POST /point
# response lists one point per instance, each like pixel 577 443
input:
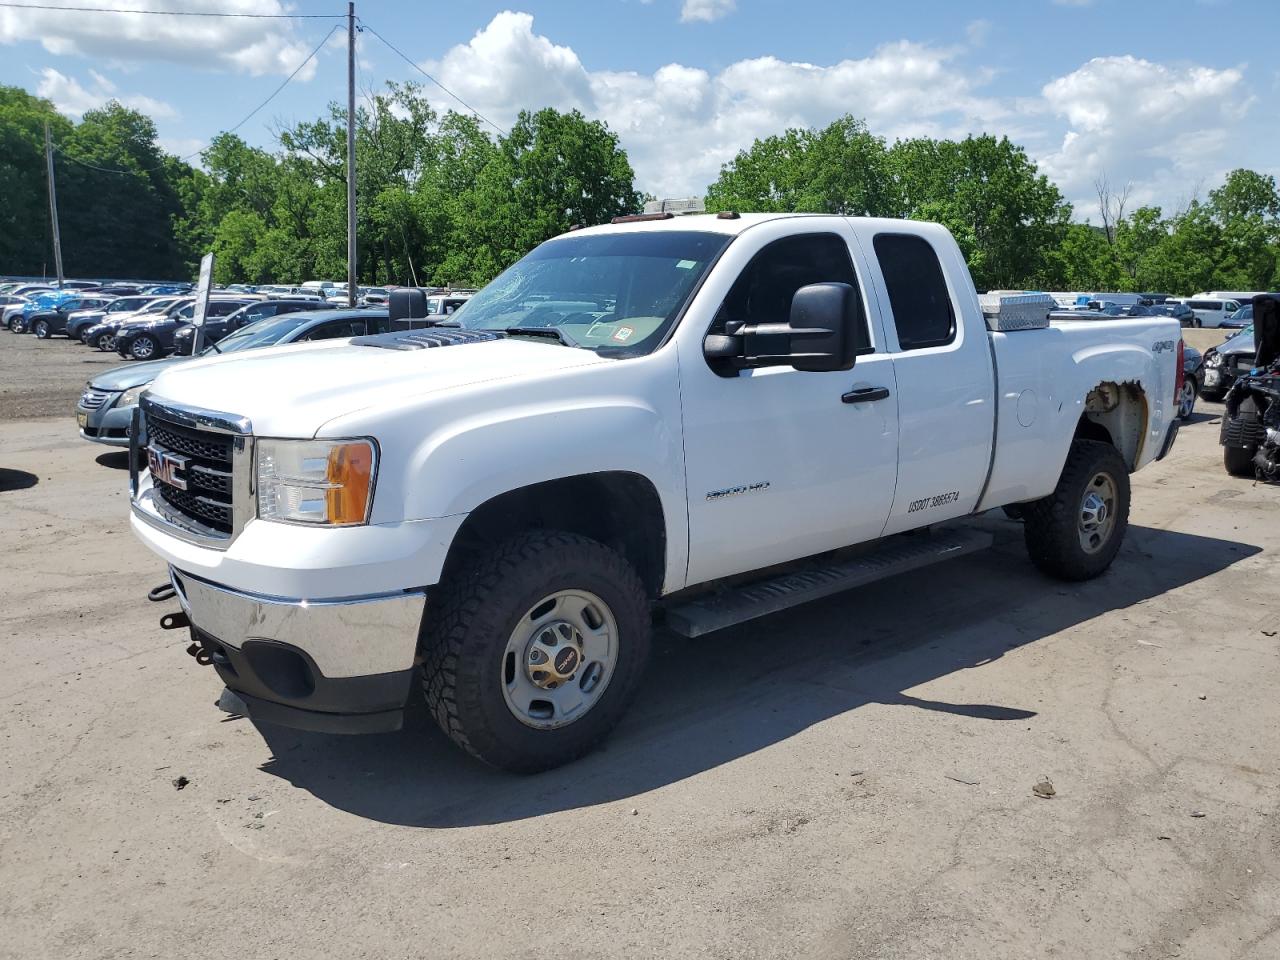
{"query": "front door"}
pixel 779 465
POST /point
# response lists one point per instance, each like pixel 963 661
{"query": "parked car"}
pixel 1192 382
pixel 1241 318
pixel 81 320
pixel 1250 431
pixel 106 406
pixel 1226 362
pixel 652 415
pixel 1173 308
pixel 41 303
pixel 152 339
pixel 215 328
pixel 1211 313
pixel 47 324
pixel 163 289
pixel 103 334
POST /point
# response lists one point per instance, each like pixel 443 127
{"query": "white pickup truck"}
pixel 703 418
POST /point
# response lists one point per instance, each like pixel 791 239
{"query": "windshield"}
pixel 621 291
pixel 128 303
pixel 263 333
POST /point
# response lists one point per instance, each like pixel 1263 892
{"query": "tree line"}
pixel 444 201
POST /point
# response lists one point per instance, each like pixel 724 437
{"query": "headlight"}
pixel 316 481
pixel 130 397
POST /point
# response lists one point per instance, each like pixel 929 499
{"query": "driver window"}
pixel 763 292
pixel 337 330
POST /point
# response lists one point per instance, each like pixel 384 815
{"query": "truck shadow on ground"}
pixel 709 701
pixel 16 479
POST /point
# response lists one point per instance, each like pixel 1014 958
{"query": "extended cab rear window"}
pixel 922 310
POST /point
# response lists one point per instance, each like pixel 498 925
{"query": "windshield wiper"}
pixel 545 332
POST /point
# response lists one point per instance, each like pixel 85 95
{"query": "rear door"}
pixel 943 371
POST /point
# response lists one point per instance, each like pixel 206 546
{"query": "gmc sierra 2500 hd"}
pixel 698 414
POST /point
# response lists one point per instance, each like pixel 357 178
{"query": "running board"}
pixel 730 606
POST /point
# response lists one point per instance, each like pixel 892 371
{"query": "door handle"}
pixel 865 395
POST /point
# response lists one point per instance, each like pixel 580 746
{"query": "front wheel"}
pixel 1076 531
pixel 41 329
pixel 1187 399
pixel 144 347
pixel 535 649
pixel 105 342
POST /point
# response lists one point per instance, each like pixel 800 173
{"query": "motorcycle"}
pixel 1250 434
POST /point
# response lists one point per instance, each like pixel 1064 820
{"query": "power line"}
pixel 173 13
pixel 320 46
pixel 392 47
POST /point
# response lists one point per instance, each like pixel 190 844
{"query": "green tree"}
pixel 1005 215
pixel 841 168
pixel 553 170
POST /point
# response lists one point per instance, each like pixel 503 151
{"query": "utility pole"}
pixel 351 154
pixel 53 206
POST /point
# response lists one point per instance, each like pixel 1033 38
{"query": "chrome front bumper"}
pixel 333 666
pixel 351 637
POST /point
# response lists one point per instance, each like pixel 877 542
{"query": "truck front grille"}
pixel 206 473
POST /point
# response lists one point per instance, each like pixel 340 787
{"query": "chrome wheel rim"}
pixel 1097 513
pixel 1188 401
pixel 559 659
pixel 142 348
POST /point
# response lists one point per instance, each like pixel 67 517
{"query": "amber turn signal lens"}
pixel 351 472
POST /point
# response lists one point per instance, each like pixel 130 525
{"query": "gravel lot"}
pixel 852 779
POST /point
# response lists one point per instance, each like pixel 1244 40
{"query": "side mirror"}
pixel 405 306
pixel 817 337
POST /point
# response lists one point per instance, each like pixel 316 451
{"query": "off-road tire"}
pixel 1051 524
pixel 465 636
pixel 1239 460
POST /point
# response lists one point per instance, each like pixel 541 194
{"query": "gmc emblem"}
pixel 164 466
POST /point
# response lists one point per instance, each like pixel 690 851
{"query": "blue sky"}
pixel 1165 96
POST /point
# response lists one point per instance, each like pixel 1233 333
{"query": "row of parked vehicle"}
pixel 1212 309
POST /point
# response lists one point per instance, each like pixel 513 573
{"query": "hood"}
pixel 133 374
pixel 293 390
pixel 1240 343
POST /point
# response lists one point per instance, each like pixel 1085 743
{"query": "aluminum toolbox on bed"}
pixel 1007 310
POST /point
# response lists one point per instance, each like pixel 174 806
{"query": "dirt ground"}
pixel 850 780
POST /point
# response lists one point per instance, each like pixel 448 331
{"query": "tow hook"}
pixel 175 621
pixel 161 593
pixel 202 656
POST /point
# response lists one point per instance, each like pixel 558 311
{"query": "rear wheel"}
pixel 535 650
pixel 1076 531
pixel 145 347
pixel 105 342
pixel 1239 460
pixel 15 325
pixel 41 329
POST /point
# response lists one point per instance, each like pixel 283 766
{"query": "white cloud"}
pixel 1160 127
pixel 706 11
pixel 679 123
pixel 72 97
pixel 251 46
pixel 1166 128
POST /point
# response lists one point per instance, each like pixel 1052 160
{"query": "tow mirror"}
pixel 818 336
pixel 406 306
